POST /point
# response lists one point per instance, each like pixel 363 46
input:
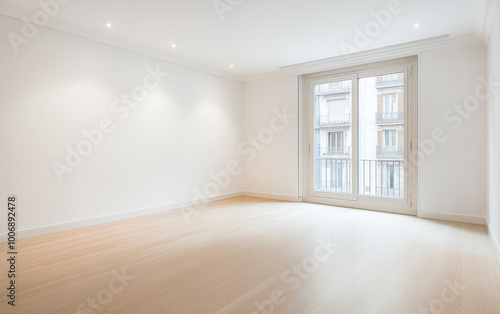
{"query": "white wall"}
pixel 274 170
pixel 494 135
pixel 59 85
pixel 453 178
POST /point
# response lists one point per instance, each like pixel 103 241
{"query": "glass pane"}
pixel 387 103
pixel 381 136
pixel 333 137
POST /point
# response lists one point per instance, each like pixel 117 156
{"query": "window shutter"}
pixel 400 102
pixel 380 138
pixel 380 103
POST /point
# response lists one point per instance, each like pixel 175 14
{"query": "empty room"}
pixel 237 156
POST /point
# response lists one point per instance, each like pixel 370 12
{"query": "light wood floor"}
pixel 239 254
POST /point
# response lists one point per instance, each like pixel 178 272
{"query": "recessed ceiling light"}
pixel 416 25
pixel 231 66
pixel 109 25
pixel 174 45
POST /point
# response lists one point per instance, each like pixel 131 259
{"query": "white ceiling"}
pixel 258 36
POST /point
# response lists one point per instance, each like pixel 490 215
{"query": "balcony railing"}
pixel 331 151
pixel 389 117
pixel 333 175
pixel 335 119
pixel 389 80
pixel 389 152
pixel 335 87
pixel 382 178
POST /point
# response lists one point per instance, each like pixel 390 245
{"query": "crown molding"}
pixel 81 32
pixel 369 56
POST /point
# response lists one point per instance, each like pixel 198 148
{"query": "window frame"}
pixel 408 66
pixel 342 140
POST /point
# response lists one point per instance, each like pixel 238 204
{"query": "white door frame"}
pixel 408 205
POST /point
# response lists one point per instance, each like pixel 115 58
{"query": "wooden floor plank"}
pixel 251 255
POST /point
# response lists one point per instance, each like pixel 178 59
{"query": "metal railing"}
pixel 390 152
pixel 331 151
pixel 333 175
pixel 381 178
pixel 389 117
pixel 335 119
pixel 335 87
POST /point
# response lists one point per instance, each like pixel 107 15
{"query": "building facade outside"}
pixel 380 136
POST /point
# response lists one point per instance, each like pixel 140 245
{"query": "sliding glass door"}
pixel 357 129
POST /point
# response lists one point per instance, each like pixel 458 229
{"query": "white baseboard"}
pixel 478 220
pixel 44 230
pixel 494 241
pixel 272 196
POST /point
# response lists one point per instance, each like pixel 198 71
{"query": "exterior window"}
pixel 390 103
pixel 356 127
pixel 336 142
pixel 390 138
